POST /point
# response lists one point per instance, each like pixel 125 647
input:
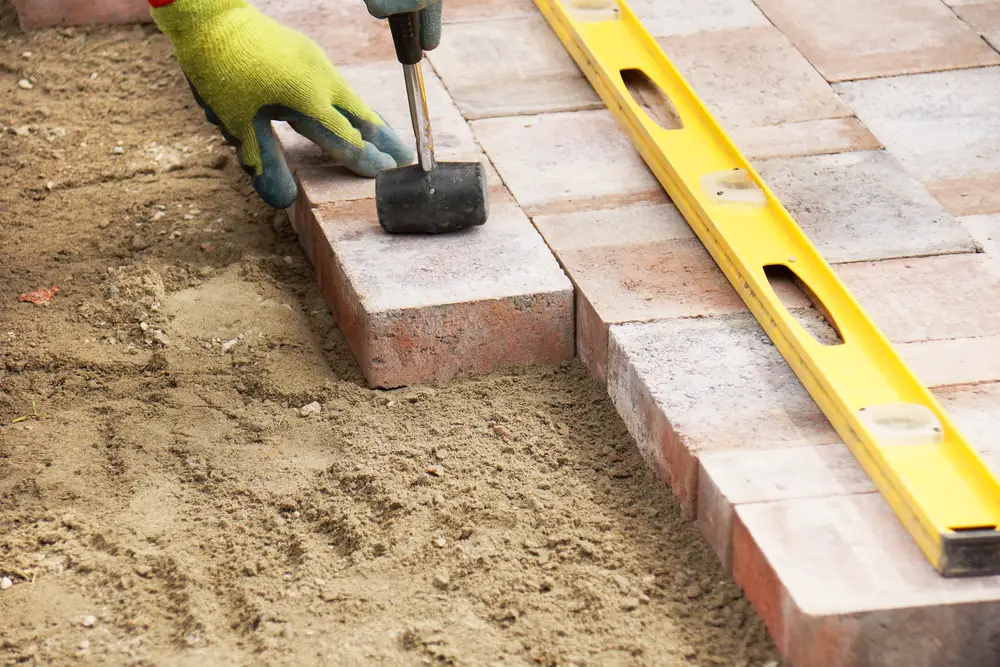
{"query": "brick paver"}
pixel 728 479
pixel 343 28
pixel 685 17
pixel 753 77
pixel 718 383
pixel 856 39
pixel 813 137
pixel 984 18
pixel 34 14
pixel 943 127
pixel 840 583
pixel 429 309
pixel 510 67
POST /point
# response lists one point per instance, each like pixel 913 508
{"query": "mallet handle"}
pixel 406 37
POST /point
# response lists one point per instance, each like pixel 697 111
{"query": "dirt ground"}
pixel 163 501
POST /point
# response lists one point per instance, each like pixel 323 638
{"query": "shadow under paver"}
pixel 943 127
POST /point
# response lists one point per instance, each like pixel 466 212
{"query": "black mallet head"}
pixel 450 197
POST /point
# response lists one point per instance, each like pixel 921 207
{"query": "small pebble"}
pixel 693 591
pixel 440 542
pixel 442 580
pixel 84 645
pixel 628 604
pixel 5 583
pixel 118 150
pixel 228 345
pixel 313 408
pixel 89 621
pixel 25 84
pixel 437 471
pixel 622 582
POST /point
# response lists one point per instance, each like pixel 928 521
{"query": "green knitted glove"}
pixel 430 16
pixel 246 70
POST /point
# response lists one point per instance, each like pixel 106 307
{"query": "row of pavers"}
pixel 709 400
pixel 585 256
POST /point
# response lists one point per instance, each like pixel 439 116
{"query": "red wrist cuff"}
pixel 160 3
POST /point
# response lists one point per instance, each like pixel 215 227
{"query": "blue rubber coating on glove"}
pixel 430 16
pixel 383 149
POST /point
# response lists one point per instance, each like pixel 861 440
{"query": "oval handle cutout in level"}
pixel 651 99
pixel 803 304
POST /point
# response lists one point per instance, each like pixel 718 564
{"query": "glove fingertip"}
pixel 371 161
pixel 430 26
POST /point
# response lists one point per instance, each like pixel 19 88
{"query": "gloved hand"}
pixel 430 16
pixel 246 70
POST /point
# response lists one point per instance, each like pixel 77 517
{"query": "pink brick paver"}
pixel 856 39
pixel 728 479
pixel 984 18
pixel 47 13
pixel 510 67
pixel 812 137
pixel 840 583
pixel 641 261
pixel 688 386
pixel 550 160
pixel 457 11
pixel 430 309
pixel 685 17
pixel 985 229
pixel 343 28
pixel 753 77
pixel 943 127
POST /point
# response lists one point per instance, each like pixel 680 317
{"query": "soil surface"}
pixel 163 500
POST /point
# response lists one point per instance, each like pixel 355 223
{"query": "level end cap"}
pixel 970 553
